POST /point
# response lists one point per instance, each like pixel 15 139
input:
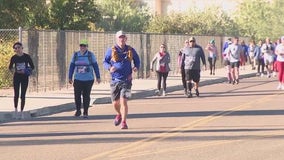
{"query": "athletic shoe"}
pixel 189 94
pixel 85 116
pixel 124 125
pixel 279 87
pixel 282 87
pixel 164 93
pixel 197 92
pixel 16 113
pixel 237 81
pixel 157 93
pixel 117 120
pixel 78 113
pixel 261 75
pixel 185 92
pixel 274 74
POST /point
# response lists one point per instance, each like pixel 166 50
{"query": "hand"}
pixel 134 69
pixel 112 69
pixel 98 80
pixel 70 81
pixel 21 71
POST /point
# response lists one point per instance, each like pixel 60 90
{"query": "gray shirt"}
pixel 161 62
pixel 235 51
pixel 191 57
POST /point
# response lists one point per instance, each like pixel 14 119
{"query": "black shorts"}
pixel 192 75
pixel 120 89
pixel 226 62
pixel 235 64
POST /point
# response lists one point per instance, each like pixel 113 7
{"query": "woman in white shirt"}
pixel 280 63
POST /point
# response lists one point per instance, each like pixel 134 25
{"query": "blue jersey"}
pixel 123 63
pixel 84 66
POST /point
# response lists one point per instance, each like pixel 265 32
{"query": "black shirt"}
pixel 21 63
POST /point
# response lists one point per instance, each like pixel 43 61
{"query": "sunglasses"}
pixel 17 47
pixel 162 47
pixel 192 41
pixel 83 45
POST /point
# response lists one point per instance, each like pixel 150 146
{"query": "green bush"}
pixel 6 52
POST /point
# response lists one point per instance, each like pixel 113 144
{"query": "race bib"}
pixel 20 66
pixel 82 69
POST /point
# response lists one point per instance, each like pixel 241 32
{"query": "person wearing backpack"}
pixel 118 61
pixel 83 65
pixel 21 65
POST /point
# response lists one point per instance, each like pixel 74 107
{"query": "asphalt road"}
pixel 227 122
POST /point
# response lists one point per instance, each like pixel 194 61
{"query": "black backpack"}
pixel 89 57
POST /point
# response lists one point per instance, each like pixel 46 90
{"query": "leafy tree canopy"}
pixel 128 15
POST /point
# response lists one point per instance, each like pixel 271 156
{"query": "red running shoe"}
pixel 117 120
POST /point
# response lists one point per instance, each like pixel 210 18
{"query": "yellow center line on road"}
pixel 178 130
pixel 174 149
pixel 197 146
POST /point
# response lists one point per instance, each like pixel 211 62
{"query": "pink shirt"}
pixel 212 51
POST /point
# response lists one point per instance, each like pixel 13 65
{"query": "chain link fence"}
pixel 7 38
pixel 52 50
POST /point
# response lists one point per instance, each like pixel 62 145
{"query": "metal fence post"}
pixel 20 34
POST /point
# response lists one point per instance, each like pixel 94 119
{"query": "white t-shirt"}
pixel 280 52
pixel 234 52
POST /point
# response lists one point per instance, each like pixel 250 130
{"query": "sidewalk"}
pixel 46 103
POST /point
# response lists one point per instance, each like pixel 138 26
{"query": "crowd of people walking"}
pixel 121 60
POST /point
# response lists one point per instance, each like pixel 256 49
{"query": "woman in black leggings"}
pixel 162 60
pixel 22 65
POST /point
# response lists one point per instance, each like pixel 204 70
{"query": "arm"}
pixel 179 59
pixel 11 63
pixel 30 61
pixel 203 57
pixel 216 52
pixel 71 69
pixel 152 62
pixel 107 59
pixel 96 68
pixel 168 58
pixel 136 60
pixel 208 47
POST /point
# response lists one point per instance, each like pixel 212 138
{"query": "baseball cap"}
pixel 120 33
pixel 191 39
pixel 84 42
pixel 212 41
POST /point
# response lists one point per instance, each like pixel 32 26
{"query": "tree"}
pixel 73 14
pixel 260 18
pixel 27 14
pixel 127 15
pixel 211 21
